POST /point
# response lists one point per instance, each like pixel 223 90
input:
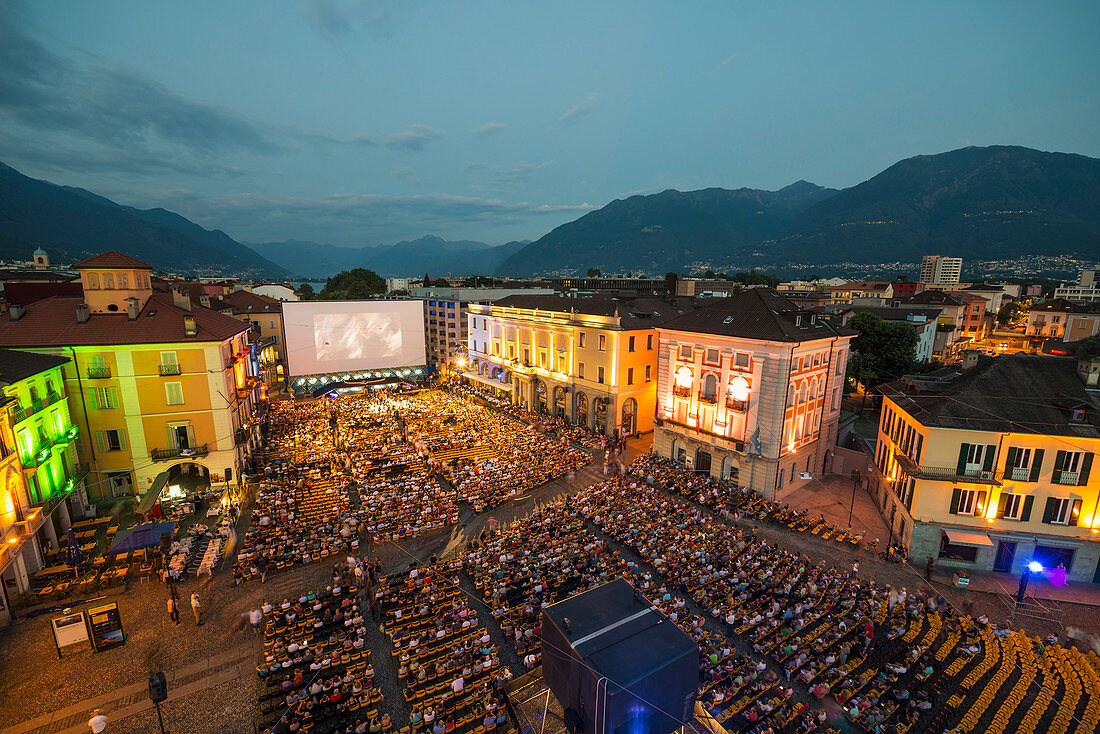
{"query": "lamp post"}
pixel 1030 568
pixel 855 483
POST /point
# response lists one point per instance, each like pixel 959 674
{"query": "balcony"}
pixel 946 474
pixel 99 373
pixel 179 453
pixel 716 439
pixel 21 414
pixel 708 399
pixel 738 405
pixel 1065 477
pixel 167 370
pixel 681 392
pixel 240 436
pixel 1019 474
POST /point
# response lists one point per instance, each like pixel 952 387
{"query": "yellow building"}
pixel 265 316
pixel 591 360
pixel 156 383
pixel 990 468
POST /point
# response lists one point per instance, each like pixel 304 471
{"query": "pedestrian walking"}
pixel 261 565
pixel 256 617
pixel 929 567
pixel 174 609
pixel 196 607
pixel 98 722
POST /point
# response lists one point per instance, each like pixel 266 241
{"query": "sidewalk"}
pixel 1074 592
pixel 831 496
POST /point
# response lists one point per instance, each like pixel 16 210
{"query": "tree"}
pixel 1089 347
pixel 593 272
pixel 1008 313
pixel 306 292
pixel 357 284
pixel 882 351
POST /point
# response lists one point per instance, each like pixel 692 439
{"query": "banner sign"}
pixel 106 626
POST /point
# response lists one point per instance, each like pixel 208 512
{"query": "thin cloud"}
pixel 488 128
pixel 326 16
pixel 724 64
pixel 414 139
pixel 579 110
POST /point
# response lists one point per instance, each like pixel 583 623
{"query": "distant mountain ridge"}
pixel 429 254
pixel 975 203
pixel 72 224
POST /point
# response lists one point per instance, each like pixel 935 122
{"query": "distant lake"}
pixel 315 284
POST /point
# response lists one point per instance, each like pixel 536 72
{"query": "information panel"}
pixel 69 630
pixel 106 626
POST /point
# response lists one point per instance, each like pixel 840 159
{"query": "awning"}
pixel 961 537
pixel 152 494
pixel 488 381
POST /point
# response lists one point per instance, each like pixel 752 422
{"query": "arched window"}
pixel 683 381
pixel 108 281
pixel 123 281
pixel 710 388
pixel 93 281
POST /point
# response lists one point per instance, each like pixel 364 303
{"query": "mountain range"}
pixel 430 254
pixel 976 203
pixel 997 202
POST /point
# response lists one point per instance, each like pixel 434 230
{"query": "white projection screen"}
pixel 342 336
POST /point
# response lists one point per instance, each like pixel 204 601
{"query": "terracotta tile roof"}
pixel 53 323
pixel 112 259
pixel 16 365
pixel 245 302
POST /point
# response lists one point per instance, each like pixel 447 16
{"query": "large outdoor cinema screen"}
pixel 343 336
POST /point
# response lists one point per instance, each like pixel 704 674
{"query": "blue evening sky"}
pixel 360 122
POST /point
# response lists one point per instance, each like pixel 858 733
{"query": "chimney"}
pixel 1088 369
pixel 133 308
pixel 204 301
pixel 189 328
pixel 970 358
pixel 180 299
pixel 82 313
pixel 17 312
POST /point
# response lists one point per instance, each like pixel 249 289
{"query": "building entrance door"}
pixel 1006 553
pixel 702 462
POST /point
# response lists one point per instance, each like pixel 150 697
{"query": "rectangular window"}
pixel 712 357
pixel 968 500
pixel 527 355
pixel 580 370
pixel 630 344
pixel 648 371
pixel 630 374
pixel 603 342
pixel 1062 511
pixel 649 342
pixel 599 374
pixel 271 324
pixel 112 440
pixel 1011 504
pixel 1072 467
pixel 685 352
pixel 103 398
pixel 580 340
pixel 741 359
pixel 174 392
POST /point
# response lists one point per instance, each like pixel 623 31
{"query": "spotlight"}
pixel 1035 567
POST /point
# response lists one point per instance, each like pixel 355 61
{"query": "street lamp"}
pixel 1030 568
pixel 855 483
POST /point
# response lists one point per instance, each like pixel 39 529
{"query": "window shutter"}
pixel 91 401
pixel 1048 511
pixel 121 439
pixel 171 437
pixel 1036 464
pixel 191 436
pixel 112 397
pixel 1001 502
pixel 99 441
pixel 979 503
pixel 963 449
pixel 1025 514
pixel 1011 457
pixel 1086 465
pixel 990 457
pixel 1059 461
pixel 955 494
pixel 1075 513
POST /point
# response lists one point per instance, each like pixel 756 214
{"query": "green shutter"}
pixel 1048 511
pixel 1025 514
pixel 112 397
pixel 91 401
pixel 1059 461
pixel 963 451
pixel 191 436
pixel 1036 464
pixel 990 457
pixel 1001 502
pixel 121 440
pixel 1086 465
pixel 1011 457
pixel 171 437
pixel 1075 513
pixel 100 441
pixel 955 493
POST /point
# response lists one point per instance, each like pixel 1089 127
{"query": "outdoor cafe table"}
pixel 85 535
pixel 90 523
pixel 46 573
pixel 87 547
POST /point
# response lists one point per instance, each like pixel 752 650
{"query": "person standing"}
pixel 196 607
pixel 261 564
pixel 929 567
pixel 174 609
pixel 98 722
